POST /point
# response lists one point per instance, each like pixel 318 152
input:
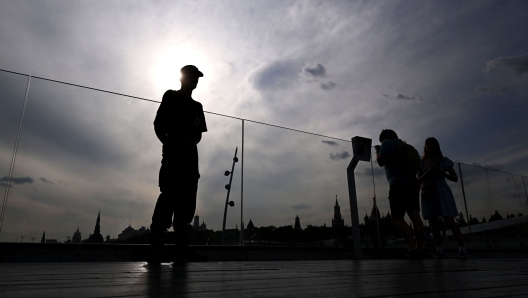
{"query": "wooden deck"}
pixel 341 278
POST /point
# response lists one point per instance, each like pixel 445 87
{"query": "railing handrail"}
pixel 223 115
pixel 150 100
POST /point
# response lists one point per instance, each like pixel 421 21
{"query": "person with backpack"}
pixel 437 199
pixel 401 162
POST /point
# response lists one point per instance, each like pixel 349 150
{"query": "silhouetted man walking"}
pixel 404 190
pixel 179 125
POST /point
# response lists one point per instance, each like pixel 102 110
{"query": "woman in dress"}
pixel 437 199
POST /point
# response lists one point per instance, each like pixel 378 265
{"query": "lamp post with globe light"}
pixel 228 187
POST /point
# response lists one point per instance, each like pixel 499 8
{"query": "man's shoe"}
pixel 461 255
pixel 437 255
pixel 157 256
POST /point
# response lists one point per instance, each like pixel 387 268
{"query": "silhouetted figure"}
pixel 179 125
pixel 437 199
pixel 401 163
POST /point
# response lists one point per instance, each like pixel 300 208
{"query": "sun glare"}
pixel 166 71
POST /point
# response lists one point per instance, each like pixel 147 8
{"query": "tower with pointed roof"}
pixel 196 224
pixel 76 236
pixel 96 237
pixel 43 239
pixel 337 221
pixel 297 223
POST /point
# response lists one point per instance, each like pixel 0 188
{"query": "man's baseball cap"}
pixel 191 70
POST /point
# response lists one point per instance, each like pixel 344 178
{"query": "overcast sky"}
pixel 454 70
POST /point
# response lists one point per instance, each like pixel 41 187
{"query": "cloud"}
pixel 45 180
pixel 413 98
pixel 313 70
pixel 273 75
pixel 301 206
pixel 339 156
pixel 16 180
pixel 313 73
pixel 327 86
pixel 506 75
pixel 518 65
pixel 328 142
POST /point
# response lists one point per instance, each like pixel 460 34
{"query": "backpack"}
pixel 408 159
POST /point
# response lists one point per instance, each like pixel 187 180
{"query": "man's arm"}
pixel 160 126
pixel 161 133
pixel 380 158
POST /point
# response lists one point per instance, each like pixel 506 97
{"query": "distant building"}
pixel 76 236
pixel 250 225
pixel 297 223
pixel 52 241
pixel 197 226
pixel 337 221
pixel 43 239
pixel 96 237
pixel 129 232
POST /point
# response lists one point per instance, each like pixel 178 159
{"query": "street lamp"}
pixel 228 187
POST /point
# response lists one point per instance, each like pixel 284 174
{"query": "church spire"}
pixel 97 224
pixel 43 240
pixel 96 237
pixel 337 204
pixel 297 225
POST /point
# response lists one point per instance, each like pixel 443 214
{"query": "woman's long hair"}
pixel 435 155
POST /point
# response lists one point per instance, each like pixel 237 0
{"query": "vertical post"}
pixel 242 191
pixel 525 193
pixel 465 203
pixel 375 202
pixel 353 207
pixel 14 153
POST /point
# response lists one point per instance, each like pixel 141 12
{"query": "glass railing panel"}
pixel 496 206
pixel 87 151
pixel 12 97
pixel 289 174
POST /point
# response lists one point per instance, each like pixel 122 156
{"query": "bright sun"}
pixel 166 71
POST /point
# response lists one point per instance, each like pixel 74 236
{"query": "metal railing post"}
pixel 465 203
pixel 242 190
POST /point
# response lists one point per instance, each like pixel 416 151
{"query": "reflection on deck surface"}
pixel 366 278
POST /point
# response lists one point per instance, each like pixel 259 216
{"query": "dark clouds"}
pixel 301 206
pixel 327 86
pixel 413 98
pixel 339 156
pixel 314 73
pixel 313 70
pixel 506 75
pixel 16 180
pixel 45 180
pixel 518 65
pixel 328 142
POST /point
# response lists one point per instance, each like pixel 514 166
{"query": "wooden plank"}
pixel 245 279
